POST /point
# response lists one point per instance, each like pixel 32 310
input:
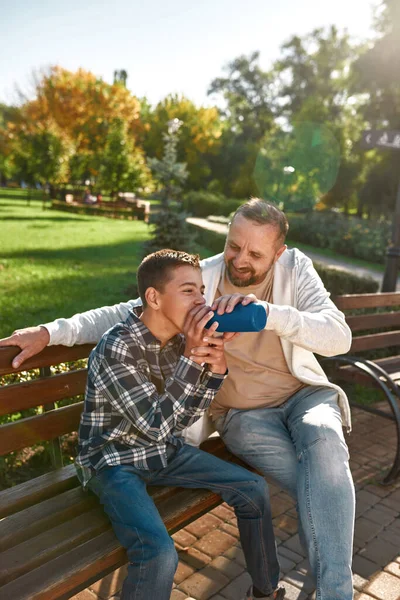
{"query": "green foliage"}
pixel 122 165
pixel 203 204
pixel 349 236
pixel 170 230
pixel 170 174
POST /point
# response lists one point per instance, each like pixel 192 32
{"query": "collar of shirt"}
pixel 144 334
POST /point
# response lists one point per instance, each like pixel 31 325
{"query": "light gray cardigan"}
pixel 302 314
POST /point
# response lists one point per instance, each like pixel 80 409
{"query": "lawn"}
pixel 55 264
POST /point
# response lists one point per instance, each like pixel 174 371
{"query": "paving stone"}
pixel 215 542
pixel 365 530
pixel 393 500
pixel 111 584
pixel 287 553
pixel 178 595
pixel 359 582
pixel 286 523
pixel 204 584
pixel 364 567
pixel 183 571
pixel 230 568
pixel 85 595
pixel 237 588
pixel 194 558
pixel 231 529
pixel 281 535
pixel 280 505
pixel 300 580
pixel 383 517
pixel 363 597
pixel 294 544
pixel 379 551
pixel 393 568
pixel 224 512
pixel 367 497
pixel 293 593
pixel 389 535
pixel 385 587
pixel 236 553
pixel 184 538
pixel 203 525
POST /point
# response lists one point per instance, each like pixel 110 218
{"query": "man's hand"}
pixel 228 302
pixel 31 340
pixel 212 352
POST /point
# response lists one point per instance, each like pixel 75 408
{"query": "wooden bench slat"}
pixel 21 396
pixel 46 486
pixel 375 340
pixel 52 543
pixel 43 516
pixel 52 355
pixel 29 431
pixel 68 574
pixel 349 301
pixel 71 571
pixel 373 321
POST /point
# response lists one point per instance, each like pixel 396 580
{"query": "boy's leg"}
pixel 246 492
pixel 139 528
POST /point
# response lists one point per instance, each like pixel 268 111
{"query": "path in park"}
pixel 340 263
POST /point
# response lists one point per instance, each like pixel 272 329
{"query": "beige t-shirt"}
pixel 258 372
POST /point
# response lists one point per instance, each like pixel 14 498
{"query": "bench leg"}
pixel 391 391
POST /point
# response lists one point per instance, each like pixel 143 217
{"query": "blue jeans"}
pixel 300 446
pixel 140 529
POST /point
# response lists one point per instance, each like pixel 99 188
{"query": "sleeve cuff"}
pixel 213 381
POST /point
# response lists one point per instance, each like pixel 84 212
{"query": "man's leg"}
pixel 300 446
pixel 326 499
pixel 139 528
pixel 246 492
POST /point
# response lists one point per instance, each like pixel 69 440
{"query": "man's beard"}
pixel 252 279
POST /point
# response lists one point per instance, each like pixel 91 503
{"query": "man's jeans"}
pixel 300 445
pixel 140 529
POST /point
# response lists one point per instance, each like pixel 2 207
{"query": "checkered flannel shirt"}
pixel 139 397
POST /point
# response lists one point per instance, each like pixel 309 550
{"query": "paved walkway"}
pixel 340 263
pixel 212 567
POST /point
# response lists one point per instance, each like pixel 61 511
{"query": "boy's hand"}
pixel 211 352
pixel 193 328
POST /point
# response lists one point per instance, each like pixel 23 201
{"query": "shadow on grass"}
pixel 49 218
pixel 121 250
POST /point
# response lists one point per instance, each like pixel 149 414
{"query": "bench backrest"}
pixel 44 391
pixel 387 319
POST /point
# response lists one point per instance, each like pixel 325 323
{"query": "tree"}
pixel 120 77
pixel 199 135
pixel 169 173
pixel 122 166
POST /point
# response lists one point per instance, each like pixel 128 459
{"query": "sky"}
pixel 166 47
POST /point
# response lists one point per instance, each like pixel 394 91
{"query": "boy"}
pixel 146 383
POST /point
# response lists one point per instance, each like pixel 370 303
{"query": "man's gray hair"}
pixel 264 213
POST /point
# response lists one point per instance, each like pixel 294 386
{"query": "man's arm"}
pixel 82 328
pixel 315 324
pixel 187 394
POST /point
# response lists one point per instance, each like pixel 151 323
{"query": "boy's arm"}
pixel 187 395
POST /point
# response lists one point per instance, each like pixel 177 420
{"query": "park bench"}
pixel 55 539
pixel 374 320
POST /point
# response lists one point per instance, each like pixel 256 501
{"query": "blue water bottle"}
pixel 244 317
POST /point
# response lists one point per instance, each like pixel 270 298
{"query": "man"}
pixel 277 410
pixel 144 387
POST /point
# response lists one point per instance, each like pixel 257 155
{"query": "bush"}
pixel 170 230
pixel 202 204
pixel 337 282
pixel 349 236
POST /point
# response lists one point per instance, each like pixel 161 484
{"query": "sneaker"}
pixel 278 594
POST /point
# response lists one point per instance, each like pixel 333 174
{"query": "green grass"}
pixel 55 264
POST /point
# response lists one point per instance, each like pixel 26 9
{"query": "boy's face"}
pixel 183 291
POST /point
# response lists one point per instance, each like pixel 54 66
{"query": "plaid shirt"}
pixel 139 397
